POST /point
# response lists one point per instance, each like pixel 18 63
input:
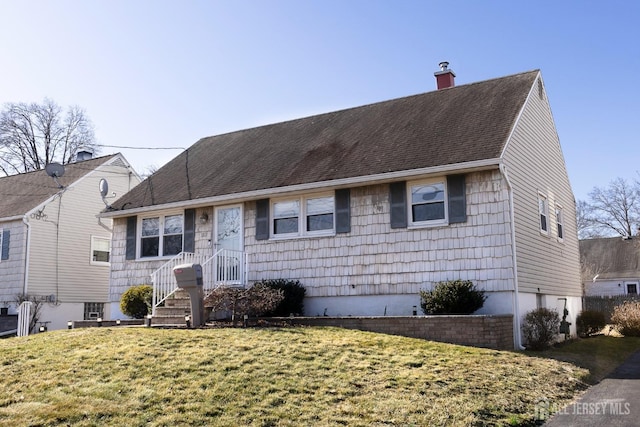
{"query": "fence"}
pixel 606 304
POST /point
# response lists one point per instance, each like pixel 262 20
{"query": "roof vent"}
pixel 445 77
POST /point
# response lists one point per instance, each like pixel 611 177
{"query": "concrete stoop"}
pixel 175 308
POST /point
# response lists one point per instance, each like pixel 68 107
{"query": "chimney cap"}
pixel 443 65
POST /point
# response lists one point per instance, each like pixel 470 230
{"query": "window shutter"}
pixel 132 235
pixel 189 244
pixel 457 198
pixel 6 237
pixel 262 219
pixel 398 202
pixel 343 210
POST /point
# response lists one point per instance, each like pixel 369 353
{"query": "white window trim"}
pixel 433 222
pixel 302 217
pixel 560 223
pixel 162 216
pixel 544 198
pixel 103 263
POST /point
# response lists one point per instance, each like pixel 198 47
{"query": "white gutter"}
pixel 517 336
pixel 26 254
pixel 466 167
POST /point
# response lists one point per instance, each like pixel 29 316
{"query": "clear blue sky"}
pixel 167 73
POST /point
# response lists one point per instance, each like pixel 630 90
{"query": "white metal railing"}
pixel 163 279
pixel 24 318
pixel 225 267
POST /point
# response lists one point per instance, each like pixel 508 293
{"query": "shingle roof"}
pixel 445 127
pixel 612 258
pixel 23 192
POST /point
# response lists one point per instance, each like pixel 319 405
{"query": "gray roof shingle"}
pixel 611 258
pixel 23 192
pixel 445 127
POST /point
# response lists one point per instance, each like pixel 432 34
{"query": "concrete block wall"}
pixel 489 331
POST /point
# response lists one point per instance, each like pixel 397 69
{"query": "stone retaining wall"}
pixel 490 331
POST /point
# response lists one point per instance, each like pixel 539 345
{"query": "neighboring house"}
pixel 54 245
pixel 611 266
pixel 369 205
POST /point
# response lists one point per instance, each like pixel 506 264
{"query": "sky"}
pixel 161 74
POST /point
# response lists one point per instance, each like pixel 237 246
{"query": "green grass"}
pixel 274 377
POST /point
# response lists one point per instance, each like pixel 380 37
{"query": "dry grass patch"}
pixel 270 377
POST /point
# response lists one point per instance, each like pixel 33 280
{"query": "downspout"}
pixel 26 254
pixel 517 335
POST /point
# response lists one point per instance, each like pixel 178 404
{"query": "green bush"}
pixel 626 317
pixel 136 301
pixel 540 328
pixel 590 322
pixel 453 297
pixel 293 301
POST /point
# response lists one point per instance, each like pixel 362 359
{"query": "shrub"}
pixel 293 301
pixel 589 322
pixel 136 301
pixel 626 317
pixel 253 301
pixel 453 297
pixel 540 328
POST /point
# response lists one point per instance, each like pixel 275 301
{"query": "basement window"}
pixel 93 310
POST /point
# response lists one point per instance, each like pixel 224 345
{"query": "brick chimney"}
pixel 445 77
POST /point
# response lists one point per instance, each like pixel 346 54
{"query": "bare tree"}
pixel 34 135
pixel 612 210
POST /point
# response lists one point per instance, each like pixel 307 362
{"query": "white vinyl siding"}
pixel 59 261
pixel 535 164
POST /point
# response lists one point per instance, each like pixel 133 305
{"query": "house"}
pixel 610 266
pixel 369 205
pixel 54 246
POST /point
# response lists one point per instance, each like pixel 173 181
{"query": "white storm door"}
pixel 228 228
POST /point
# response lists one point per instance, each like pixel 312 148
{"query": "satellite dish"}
pixel 104 187
pixel 54 170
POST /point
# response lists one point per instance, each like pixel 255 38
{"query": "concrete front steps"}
pixel 175 308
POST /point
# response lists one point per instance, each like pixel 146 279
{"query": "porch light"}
pixel 204 218
pixel 69 324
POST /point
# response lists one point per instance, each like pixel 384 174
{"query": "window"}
pixel 559 223
pixel 161 236
pixel 632 288
pixel 93 310
pixel 304 216
pixel 543 209
pixel 100 250
pixel 428 204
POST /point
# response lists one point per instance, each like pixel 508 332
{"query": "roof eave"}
pixel 466 167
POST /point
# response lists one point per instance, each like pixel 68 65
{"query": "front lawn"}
pixel 271 377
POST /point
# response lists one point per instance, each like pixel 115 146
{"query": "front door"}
pixel 228 245
pixel 228 229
